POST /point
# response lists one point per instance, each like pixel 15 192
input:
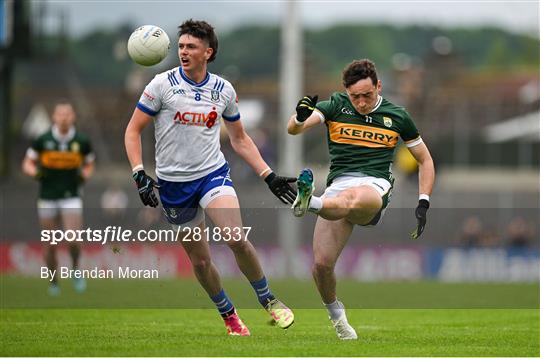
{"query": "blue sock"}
pixel 263 291
pixel 223 303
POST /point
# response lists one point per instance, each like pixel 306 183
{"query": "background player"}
pixel 363 131
pixel 61 160
pixel 187 103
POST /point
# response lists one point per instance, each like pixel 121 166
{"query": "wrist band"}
pixel 423 196
pixel 137 168
pixel 265 171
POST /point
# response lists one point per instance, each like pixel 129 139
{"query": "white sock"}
pixel 336 310
pixel 315 204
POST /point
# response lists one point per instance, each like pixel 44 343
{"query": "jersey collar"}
pixel 377 105
pixel 63 138
pixel 190 81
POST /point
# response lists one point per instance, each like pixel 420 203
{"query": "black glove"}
pixel 305 107
pixel 420 213
pixel 146 186
pixel 281 188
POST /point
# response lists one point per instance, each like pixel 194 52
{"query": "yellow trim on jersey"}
pixel 361 135
pixel 52 159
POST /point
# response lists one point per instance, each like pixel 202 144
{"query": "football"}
pixel 148 45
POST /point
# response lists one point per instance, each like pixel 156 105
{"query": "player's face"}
pixel 363 95
pixel 64 117
pixel 193 52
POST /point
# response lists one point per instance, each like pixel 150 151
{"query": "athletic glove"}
pixel 420 213
pixel 305 107
pixel 146 186
pixel 281 188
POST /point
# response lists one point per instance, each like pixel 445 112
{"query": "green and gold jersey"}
pixel 60 159
pixel 364 143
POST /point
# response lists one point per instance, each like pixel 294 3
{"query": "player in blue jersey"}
pixel 186 104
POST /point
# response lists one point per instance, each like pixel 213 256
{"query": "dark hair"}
pixel 62 102
pixel 359 70
pixel 201 30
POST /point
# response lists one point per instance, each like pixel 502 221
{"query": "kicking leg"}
pixel 359 204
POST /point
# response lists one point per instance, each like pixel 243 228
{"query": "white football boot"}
pixel 344 330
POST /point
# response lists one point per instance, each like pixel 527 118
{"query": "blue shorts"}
pixel 184 201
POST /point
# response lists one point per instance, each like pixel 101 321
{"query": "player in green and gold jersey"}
pixel 363 132
pixel 61 160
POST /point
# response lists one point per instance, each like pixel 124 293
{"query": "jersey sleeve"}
pixel 35 148
pixel 150 101
pixel 231 112
pixel 326 109
pixel 408 130
pixel 86 150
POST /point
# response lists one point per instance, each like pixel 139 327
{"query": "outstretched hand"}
pixel 281 187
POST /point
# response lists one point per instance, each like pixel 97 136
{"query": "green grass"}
pixel 173 332
pixel 175 318
pixel 18 292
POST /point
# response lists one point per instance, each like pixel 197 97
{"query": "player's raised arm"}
pixel 304 118
pixel 243 145
pixel 426 178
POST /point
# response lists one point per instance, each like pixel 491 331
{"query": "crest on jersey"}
pixel 214 95
pixel 387 121
pixel 75 147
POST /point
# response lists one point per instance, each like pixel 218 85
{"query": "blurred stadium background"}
pixel 473 90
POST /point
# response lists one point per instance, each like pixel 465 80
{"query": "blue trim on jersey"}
pixel 180 200
pixel 172 79
pixel 216 85
pixel 231 118
pixel 221 88
pixel 190 81
pixel 146 110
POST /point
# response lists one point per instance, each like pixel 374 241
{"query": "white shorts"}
pixel 344 182
pixel 48 209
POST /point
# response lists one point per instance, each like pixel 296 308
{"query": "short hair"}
pixel 63 102
pixel 359 70
pixel 201 30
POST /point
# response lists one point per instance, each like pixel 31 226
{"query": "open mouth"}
pixel 184 61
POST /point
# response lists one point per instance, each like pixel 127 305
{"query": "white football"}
pixel 148 45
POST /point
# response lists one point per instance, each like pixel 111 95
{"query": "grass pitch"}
pixel 32 329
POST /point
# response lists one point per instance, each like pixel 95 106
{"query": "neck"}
pixel 196 75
